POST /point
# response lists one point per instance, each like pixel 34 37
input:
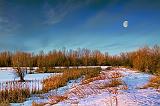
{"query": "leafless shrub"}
pixel 20 72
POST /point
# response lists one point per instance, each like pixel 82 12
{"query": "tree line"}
pixel 144 59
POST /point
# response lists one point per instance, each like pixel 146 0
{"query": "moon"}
pixel 125 24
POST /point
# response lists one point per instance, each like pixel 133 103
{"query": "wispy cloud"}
pixel 55 14
pixel 97 20
pixel 7 26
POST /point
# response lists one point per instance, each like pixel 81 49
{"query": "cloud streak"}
pixel 56 13
pixel 7 26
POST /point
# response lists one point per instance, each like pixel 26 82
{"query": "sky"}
pixel 35 25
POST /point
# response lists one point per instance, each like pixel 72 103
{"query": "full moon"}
pixel 125 24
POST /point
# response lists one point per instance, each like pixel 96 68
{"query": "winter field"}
pixel 116 87
pixel 97 92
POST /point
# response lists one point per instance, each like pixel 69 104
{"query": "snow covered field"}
pixel 133 96
pixel 91 94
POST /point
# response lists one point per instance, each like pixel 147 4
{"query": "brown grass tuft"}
pixel 37 104
pixel 116 75
pixel 15 95
pixel 56 99
pixel 154 82
pixel 115 83
pixel 4 103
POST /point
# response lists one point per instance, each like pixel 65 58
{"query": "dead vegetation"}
pixel 154 82
pixel 4 103
pixel 57 98
pixel 116 74
pixel 14 95
pixel 54 82
pixel 16 92
pixel 115 83
pixel 86 81
pixel 37 104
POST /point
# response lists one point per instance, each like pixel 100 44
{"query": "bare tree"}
pixel 20 62
pixel 20 72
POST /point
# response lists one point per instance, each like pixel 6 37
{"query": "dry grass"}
pixel 16 92
pixel 4 103
pixel 86 81
pixel 15 95
pixel 116 74
pixel 115 83
pixel 91 73
pixel 54 82
pixel 154 82
pixel 111 83
pixel 37 104
pixel 56 99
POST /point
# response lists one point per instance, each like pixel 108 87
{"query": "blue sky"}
pixel 34 25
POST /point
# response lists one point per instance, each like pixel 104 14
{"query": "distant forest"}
pixel 144 59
